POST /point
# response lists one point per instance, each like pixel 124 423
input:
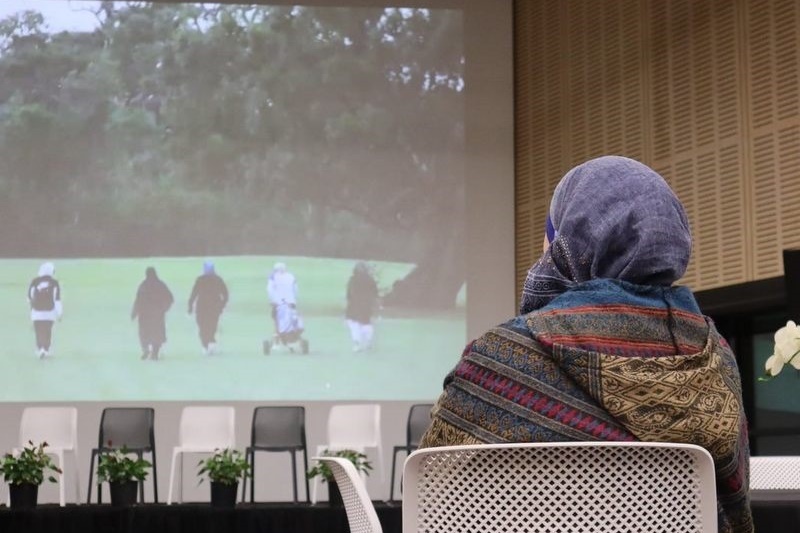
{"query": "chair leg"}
pixel 180 478
pixel 294 475
pixel 314 485
pixel 77 477
pixel 172 477
pixel 381 462
pixel 91 474
pixel 62 500
pixel 141 483
pixel 252 476
pixel 305 477
pixel 316 482
pixel 391 483
pixel 244 477
pixel 155 476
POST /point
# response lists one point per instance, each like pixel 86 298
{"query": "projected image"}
pixel 229 201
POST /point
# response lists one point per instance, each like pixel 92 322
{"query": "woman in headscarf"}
pixel 44 298
pixel 605 346
pixel 153 300
pixel 208 299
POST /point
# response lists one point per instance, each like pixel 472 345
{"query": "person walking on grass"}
pixel 281 289
pixel 44 298
pixel 208 299
pixel 362 303
pixel 153 300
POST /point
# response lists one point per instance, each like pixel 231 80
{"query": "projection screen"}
pixel 243 201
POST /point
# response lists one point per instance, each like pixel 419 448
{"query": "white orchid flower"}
pixel 787 341
pixel 787 349
pixel 774 365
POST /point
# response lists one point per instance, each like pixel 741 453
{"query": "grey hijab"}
pixel 614 218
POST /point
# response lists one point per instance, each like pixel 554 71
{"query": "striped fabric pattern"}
pixel 606 361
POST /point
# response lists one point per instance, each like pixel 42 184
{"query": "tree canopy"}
pixel 175 129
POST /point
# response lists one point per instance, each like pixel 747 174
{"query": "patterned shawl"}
pixel 614 218
pixel 607 360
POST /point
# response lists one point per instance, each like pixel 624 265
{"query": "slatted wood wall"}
pixel 707 92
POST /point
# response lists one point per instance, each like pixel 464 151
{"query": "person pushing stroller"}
pixel 282 293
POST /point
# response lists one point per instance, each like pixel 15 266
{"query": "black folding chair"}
pixel 419 418
pixel 131 428
pixel 277 429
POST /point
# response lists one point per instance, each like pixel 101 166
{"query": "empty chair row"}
pixel 204 429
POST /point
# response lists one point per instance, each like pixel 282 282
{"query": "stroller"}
pixel 289 332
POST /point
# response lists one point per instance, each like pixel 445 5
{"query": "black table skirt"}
pixel 771 516
pixel 190 518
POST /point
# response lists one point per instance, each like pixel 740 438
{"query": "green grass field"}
pixel 96 354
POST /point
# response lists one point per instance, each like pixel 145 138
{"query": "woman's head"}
pixel 612 217
pixel 47 269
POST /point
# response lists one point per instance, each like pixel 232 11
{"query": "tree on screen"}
pixel 267 130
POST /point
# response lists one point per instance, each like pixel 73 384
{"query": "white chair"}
pixel 58 427
pixel 202 430
pixel 353 427
pixel 774 472
pixel 361 513
pixel 606 487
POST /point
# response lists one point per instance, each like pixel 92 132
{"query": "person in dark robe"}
pixel 362 303
pixel 153 300
pixel 208 299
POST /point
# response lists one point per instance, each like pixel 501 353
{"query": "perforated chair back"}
pixel 603 487
pixel 775 472
pixel 132 428
pixel 278 429
pixel 361 513
pixel 207 428
pixel 354 425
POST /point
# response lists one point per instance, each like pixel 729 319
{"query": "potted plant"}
pixel 358 459
pixel 224 469
pixel 123 473
pixel 25 472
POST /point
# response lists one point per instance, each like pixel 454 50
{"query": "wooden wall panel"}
pixel 705 91
pixel 773 30
pixel 538 101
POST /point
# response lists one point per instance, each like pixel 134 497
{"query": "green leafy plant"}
pixel 225 466
pixel 117 466
pixel 29 466
pixel 357 458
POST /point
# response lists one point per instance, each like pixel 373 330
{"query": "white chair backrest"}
pixel 352 425
pixel 775 472
pixel 208 427
pixel 603 487
pixel 58 426
pixel 361 513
